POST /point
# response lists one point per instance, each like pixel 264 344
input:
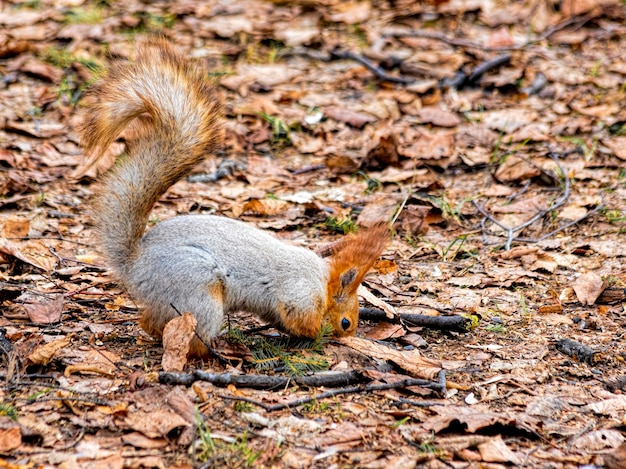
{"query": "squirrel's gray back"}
pixel 258 272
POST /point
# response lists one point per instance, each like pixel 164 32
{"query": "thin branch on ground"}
pixel 454 323
pixel 576 21
pixel 71 444
pixel 52 238
pixel 375 69
pixel 90 400
pixel 518 193
pixel 488 65
pixel 323 379
pixel 411 402
pixel 536 86
pixel 308 169
pixel 227 167
pixel 510 231
pixel 566 225
pixel 404 383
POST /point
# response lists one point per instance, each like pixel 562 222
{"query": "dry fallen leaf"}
pixel 589 287
pixel 177 336
pixel 46 352
pixel 10 435
pixel 157 423
pixel 409 360
pixel 368 296
pixel 97 361
pixel 617 458
pixel 44 309
pixel 436 116
pixel 32 252
pixel 16 227
pixel 138 440
pixel 496 450
pixel 354 118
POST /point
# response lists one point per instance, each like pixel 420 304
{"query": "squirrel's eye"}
pixel 345 324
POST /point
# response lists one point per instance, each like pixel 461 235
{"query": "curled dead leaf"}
pixel 374 300
pixel 46 352
pixel 439 117
pixel 177 336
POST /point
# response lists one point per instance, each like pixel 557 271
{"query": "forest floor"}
pixel 493 136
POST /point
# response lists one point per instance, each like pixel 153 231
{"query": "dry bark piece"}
pixel 576 350
pixel 551 309
pixel 612 295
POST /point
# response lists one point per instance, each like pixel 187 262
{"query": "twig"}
pixel 460 78
pixel 574 20
pixel 405 383
pixel 52 238
pixel 441 381
pixel 516 194
pixel 536 86
pixel 510 231
pixel 490 64
pixel 375 69
pixel 94 400
pixel 308 169
pixel 226 168
pixel 402 401
pixel 449 323
pixel 323 379
pixel 71 444
pixel 566 225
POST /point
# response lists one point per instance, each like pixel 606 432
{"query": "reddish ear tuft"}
pixel 358 251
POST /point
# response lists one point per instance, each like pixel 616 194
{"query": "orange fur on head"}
pixel 348 267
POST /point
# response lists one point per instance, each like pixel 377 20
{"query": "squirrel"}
pixel 205 264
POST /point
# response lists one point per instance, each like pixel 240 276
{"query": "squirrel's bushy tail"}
pixel 178 127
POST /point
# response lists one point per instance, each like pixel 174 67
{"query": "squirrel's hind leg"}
pixel 206 306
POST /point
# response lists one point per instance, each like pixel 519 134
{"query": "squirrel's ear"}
pixel 347 278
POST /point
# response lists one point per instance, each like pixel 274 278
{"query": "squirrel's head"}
pixel 342 304
pixel 347 268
